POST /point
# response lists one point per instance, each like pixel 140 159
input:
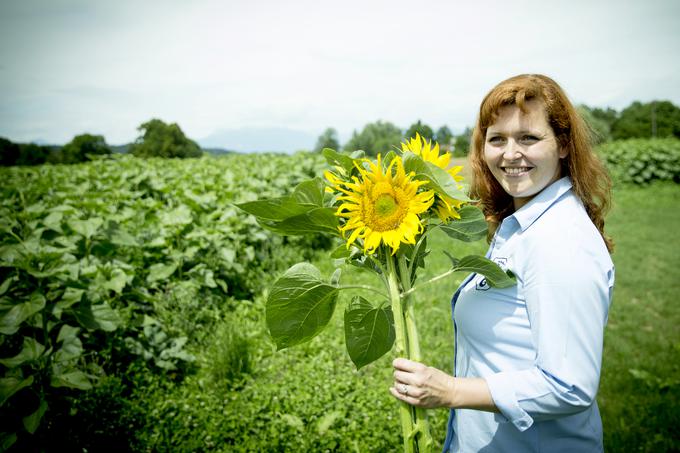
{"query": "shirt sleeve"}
pixel 567 289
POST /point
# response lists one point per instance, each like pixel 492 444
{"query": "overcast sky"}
pixel 104 67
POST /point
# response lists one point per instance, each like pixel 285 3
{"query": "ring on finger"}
pixel 403 389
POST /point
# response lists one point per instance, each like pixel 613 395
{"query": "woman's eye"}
pixel 528 139
pixel 496 140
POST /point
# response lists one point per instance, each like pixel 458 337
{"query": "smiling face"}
pixel 522 152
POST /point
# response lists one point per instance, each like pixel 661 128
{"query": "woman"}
pixel 527 359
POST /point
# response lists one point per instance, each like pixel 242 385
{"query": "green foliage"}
pixel 346 161
pixel 469 228
pixel 299 306
pixel 657 119
pixel 329 139
pixel 369 331
pixel 418 127
pixel 240 394
pixel 9 152
pixel 375 138
pixel 461 144
pixel 159 139
pixel 228 358
pixel 608 115
pixel 32 154
pixel 600 129
pixel 300 213
pixel 641 161
pixel 83 148
pixel 154 345
pixel 444 137
pixel 91 259
pixel 494 275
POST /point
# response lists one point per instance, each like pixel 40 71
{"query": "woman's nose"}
pixel 512 150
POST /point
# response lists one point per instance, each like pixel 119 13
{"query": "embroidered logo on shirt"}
pixel 482 284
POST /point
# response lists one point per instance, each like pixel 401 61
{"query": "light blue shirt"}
pixel 538 344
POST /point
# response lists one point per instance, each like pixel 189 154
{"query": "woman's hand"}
pixel 421 385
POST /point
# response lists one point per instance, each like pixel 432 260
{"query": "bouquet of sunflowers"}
pixel 383 210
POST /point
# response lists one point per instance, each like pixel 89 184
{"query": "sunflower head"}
pixel 381 205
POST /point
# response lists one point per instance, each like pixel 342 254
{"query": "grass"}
pixel 641 414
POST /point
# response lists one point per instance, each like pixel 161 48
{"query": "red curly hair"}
pixel 589 178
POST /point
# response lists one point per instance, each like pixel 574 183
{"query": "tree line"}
pixel 156 139
pixel 639 120
pixel 159 139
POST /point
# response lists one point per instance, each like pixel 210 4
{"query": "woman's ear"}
pixel 562 152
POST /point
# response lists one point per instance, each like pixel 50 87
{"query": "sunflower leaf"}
pixel 470 227
pixel 299 306
pixel 276 209
pixel 369 331
pixel 495 276
pixel 341 252
pixel 310 192
pixel 345 161
pixel 317 220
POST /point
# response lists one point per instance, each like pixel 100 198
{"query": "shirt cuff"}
pixel 500 386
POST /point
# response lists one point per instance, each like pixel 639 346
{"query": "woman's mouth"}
pixel 516 171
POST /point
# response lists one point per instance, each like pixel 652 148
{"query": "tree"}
pixel 379 137
pixel 159 139
pixel 653 119
pixel 83 147
pixel 329 139
pixel 32 154
pixel 9 152
pixel 608 115
pixel 600 129
pixel 424 130
pixel 461 145
pixel 443 137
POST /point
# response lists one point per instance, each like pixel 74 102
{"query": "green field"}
pixel 181 360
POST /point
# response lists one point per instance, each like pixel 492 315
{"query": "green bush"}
pixel 643 160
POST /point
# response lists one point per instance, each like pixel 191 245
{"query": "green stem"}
pixel 405 414
pixel 423 437
pixel 419 243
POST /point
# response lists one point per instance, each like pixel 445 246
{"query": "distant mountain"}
pixel 41 142
pixel 124 149
pixel 120 148
pixel 259 140
pixel 218 151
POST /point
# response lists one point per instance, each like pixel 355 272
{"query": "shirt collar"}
pixel 527 214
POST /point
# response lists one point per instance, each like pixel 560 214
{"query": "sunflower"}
pixel 445 207
pixel 381 206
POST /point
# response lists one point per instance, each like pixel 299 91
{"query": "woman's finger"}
pixel 405 377
pixel 413 401
pixel 409 390
pixel 407 365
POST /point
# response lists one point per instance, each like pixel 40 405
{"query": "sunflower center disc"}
pixel 385 206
